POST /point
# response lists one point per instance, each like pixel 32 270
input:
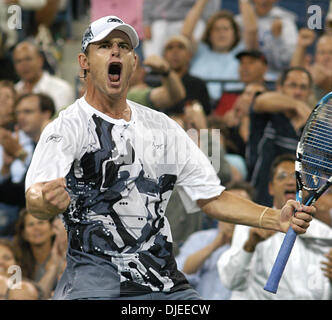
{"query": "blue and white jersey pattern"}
pixel 120 176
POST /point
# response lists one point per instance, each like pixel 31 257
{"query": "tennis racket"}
pixel 313 168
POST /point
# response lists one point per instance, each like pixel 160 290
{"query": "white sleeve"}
pixel 55 152
pixel 197 178
pixel 234 265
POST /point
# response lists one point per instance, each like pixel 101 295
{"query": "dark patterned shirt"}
pixel 120 176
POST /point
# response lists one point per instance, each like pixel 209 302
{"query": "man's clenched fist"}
pixel 55 195
pixel 47 199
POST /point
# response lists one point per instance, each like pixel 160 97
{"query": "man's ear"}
pixel 83 61
pixel 136 61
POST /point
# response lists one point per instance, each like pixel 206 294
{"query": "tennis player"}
pixel 110 165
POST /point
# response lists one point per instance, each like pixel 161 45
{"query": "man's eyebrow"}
pixel 102 42
pixel 107 41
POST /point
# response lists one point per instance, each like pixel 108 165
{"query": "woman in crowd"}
pixel 41 250
pixel 214 57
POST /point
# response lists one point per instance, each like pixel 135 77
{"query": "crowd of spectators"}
pixel 249 78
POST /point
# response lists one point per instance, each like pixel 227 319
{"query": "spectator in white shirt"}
pixel 276 33
pixel 245 267
pixel 29 67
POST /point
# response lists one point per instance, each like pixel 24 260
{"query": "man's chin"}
pixel 114 84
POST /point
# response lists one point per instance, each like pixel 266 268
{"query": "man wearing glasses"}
pixel 32 111
pixel 245 267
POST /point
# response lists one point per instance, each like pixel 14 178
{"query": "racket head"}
pixel 313 172
pixel 314 151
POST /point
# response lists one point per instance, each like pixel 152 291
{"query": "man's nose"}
pixel 115 50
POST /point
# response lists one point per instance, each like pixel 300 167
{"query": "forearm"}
pixel 250 36
pixel 171 92
pixel 230 208
pixel 298 57
pixel 196 260
pixel 274 102
pixel 174 87
pixel 192 18
pixel 47 282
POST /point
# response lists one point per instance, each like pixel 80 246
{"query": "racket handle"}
pixel 280 263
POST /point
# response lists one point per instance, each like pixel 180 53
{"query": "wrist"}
pixel 51 266
pixel 270 219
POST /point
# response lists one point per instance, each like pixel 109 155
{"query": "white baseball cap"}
pixel 102 27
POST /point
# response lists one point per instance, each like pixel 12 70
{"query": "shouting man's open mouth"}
pixel 114 72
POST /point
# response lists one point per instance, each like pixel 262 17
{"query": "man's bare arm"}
pixel 169 93
pixel 192 18
pixel 172 89
pixel 275 101
pixel 249 35
pixel 231 208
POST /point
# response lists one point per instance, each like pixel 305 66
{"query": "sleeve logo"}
pixel 54 137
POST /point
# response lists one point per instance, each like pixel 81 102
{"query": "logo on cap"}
pixel 115 20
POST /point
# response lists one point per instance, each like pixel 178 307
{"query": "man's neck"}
pixel 29 84
pixel 115 107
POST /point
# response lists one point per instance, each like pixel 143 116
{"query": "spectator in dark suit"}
pixel 276 122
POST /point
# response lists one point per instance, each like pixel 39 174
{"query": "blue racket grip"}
pixel 280 263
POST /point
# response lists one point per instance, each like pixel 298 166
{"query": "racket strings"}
pixel 316 144
pixel 324 127
pixel 313 178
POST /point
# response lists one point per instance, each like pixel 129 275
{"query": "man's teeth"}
pixel 114 77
